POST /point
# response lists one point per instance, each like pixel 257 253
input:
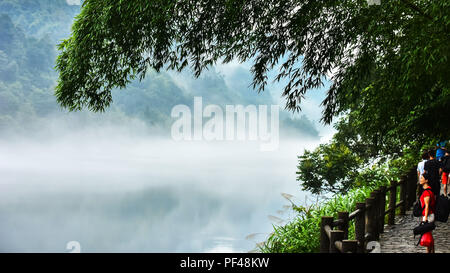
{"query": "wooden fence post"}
pixel 375 213
pixel 369 217
pixel 403 195
pixel 418 187
pixel 412 186
pixel 392 203
pixel 335 235
pixel 324 240
pixel 343 216
pixel 382 207
pixel 360 226
pixel 370 204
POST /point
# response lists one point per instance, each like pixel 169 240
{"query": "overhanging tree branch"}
pixel 417 9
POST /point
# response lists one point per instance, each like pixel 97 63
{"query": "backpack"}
pixel 442 209
pixel 418 208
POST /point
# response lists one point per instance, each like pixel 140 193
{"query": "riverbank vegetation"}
pixel 347 169
pixel 302 233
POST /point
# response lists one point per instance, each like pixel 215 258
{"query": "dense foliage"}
pixel 388 63
pixel 29 33
pixel 337 166
pixel 330 168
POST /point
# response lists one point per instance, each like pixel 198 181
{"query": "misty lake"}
pixel 137 194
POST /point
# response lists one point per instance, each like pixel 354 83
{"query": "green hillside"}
pixel 29 33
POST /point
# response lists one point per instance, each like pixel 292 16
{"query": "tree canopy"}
pixel 353 159
pixel 387 63
pixel 29 31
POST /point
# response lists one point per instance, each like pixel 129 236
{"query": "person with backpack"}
pixel 434 169
pixel 445 171
pixel 440 150
pixel 428 203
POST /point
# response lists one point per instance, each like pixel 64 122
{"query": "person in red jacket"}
pixel 428 202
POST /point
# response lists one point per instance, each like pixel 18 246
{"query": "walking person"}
pixel 428 202
pixel 440 150
pixel 434 169
pixel 445 170
pixel 421 169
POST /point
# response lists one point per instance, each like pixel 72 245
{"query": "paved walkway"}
pixel 399 238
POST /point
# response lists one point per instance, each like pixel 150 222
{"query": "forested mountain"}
pixel 29 33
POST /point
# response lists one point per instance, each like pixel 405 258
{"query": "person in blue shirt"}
pixel 440 151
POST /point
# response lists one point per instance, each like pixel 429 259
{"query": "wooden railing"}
pixel 369 217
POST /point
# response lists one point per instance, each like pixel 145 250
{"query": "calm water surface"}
pixel 124 194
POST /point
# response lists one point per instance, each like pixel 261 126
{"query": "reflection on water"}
pixel 141 195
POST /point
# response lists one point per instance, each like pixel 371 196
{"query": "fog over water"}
pixel 119 192
pixel 116 181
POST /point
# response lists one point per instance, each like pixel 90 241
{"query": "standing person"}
pixel 428 202
pixel 440 150
pixel 433 168
pixel 445 170
pixel 421 165
pixel 421 170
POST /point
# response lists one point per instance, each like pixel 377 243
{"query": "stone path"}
pixel 399 238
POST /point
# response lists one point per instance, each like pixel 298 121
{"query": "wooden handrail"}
pixel 369 217
pixel 352 215
pixel 399 204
